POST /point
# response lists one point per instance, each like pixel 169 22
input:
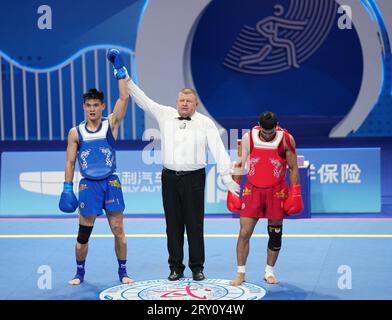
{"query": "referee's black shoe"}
pixel 198 276
pixel 174 275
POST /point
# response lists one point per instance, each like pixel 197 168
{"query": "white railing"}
pixel 76 69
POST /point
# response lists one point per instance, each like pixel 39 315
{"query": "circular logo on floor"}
pixel 184 289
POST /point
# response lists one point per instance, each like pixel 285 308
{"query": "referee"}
pixel 185 136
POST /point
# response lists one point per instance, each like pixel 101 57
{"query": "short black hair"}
pixel 268 120
pixel 93 94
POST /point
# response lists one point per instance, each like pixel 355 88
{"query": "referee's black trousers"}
pixel 183 202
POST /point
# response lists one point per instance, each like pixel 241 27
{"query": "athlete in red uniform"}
pixel 266 152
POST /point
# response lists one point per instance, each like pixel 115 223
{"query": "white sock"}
pixel 269 270
pixel 241 269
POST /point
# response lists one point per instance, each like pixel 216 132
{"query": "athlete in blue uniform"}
pixel 92 142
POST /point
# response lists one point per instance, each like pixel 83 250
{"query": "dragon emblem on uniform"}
pixel 84 155
pixel 277 167
pixel 252 163
pixel 109 156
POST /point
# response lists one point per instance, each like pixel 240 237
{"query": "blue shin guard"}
pixel 80 271
pixel 122 269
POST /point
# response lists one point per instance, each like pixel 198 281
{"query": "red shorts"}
pixel 264 202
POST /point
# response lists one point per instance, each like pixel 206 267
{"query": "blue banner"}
pixel 341 180
pixel 31 183
pixel 344 180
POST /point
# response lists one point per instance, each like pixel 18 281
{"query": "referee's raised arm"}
pixel 144 102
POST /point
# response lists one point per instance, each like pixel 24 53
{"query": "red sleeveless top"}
pixel 267 160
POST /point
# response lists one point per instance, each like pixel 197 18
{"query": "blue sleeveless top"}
pixel 96 154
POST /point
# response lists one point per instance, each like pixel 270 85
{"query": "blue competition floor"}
pixel 309 265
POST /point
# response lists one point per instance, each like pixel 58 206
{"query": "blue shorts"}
pixel 95 195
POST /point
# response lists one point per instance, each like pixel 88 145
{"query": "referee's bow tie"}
pixel 184 118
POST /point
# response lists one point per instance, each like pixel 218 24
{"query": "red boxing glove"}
pixel 233 202
pixel 293 204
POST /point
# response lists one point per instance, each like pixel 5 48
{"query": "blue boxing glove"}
pixel 68 202
pixel 114 57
